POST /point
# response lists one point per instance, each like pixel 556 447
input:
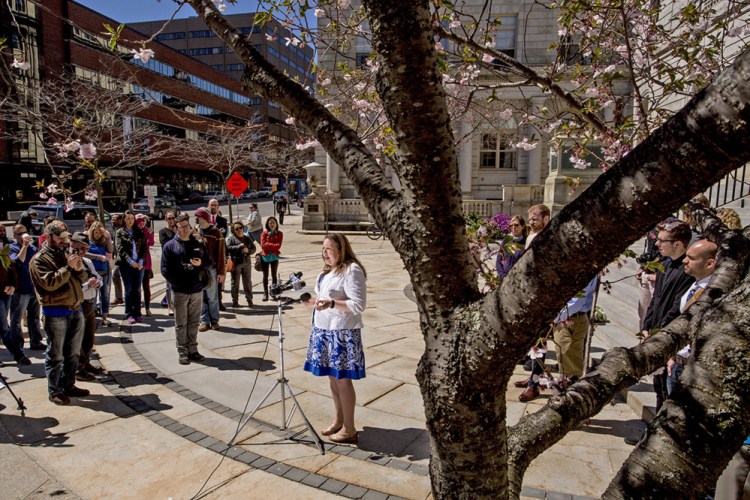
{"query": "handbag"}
pixel 258 263
pixel 230 265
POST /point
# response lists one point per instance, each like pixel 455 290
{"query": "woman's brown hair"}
pixel 97 225
pixel 346 254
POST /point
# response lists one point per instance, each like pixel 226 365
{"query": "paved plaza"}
pixel 154 428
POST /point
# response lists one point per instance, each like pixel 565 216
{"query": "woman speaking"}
pixel 335 348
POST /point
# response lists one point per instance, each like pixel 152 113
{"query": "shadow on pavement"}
pixel 395 443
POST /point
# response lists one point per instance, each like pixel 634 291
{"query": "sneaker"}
pixel 203 327
pixel 197 357
pixel 96 370
pixel 139 319
pixel 84 376
pixel 184 360
pixel 76 392
pixel 164 301
pixel 215 326
pixel 22 360
pixel 59 399
pixel 38 347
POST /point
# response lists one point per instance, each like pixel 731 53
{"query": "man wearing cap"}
pixel 222 225
pixel 58 277
pixel 216 246
pixel 24 299
pixel 79 244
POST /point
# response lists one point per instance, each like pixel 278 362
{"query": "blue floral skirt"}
pixel 336 353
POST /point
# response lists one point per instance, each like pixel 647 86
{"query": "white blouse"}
pixel 350 287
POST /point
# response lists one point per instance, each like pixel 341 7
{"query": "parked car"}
pixel 161 207
pixel 73 218
pixel 250 194
pixel 218 195
pixel 265 193
pixel 194 197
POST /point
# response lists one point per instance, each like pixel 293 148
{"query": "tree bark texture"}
pixel 473 341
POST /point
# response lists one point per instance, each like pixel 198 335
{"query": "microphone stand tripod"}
pixel 283 384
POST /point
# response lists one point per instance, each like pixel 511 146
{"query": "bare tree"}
pixel 90 125
pixel 285 160
pixel 226 149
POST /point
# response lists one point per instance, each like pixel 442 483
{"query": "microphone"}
pixel 302 298
pixel 296 275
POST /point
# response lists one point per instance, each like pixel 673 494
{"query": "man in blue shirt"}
pixel 570 330
pixel 24 299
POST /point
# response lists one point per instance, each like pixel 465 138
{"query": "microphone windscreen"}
pixel 305 297
pixel 302 284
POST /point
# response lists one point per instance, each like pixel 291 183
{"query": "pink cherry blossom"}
pixel 143 55
pixel 87 151
pixel 22 65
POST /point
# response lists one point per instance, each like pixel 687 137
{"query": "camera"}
pixel 187 266
pixel 645 258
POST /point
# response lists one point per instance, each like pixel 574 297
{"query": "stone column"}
pixel 534 172
pixel 464 158
pixel 332 176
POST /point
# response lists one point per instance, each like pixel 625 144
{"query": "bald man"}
pixel 700 261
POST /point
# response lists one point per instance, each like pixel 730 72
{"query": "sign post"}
pixel 150 191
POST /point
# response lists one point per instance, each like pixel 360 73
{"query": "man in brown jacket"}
pixel 58 277
pixel 217 251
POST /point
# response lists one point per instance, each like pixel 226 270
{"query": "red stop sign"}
pixel 236 184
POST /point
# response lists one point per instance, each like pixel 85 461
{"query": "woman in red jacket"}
pixel 270 245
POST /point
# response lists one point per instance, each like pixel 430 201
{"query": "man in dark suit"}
pixel 222 225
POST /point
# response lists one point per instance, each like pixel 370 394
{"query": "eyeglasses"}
pixel 183 226
pixel 659 240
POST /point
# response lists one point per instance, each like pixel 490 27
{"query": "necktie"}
pixel 691 292
pixel 213 221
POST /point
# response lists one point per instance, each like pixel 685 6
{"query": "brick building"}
pixel 186 98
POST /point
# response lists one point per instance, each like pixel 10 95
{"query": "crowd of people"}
pixel 57 285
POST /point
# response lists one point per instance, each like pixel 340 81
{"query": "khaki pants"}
pixel 570 339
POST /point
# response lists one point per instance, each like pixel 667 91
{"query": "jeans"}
pixel 132 279
pixel 244 271
pixel 273 267
pixel 64 335
pixel 12 342
pixel 29 303
pixel 673 376
pixel 89 331
pixel 117 280
pixel 169 295
pixel 210 309
pixel 104 293
pixel 186 317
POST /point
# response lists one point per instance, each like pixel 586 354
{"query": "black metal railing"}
pixel 731 188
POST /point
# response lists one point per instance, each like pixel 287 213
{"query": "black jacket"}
pixel 670 286
pixel 176 268
pixel 124 245
pixel 235 246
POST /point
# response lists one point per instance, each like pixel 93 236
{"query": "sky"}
pixel 133 11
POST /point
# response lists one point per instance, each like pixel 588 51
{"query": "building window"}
pixel 205 51
pixel 20 6
pixel 218 67
pixel 495 152
pixel 505 38
pixel 202 34
pixel 235 67
pixel 179 35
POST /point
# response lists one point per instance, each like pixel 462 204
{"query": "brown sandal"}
pixel 343 437
pixel 331 429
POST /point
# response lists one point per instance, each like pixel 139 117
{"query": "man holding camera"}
pixel 24 299
pixel 186 266
pixel 58 277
